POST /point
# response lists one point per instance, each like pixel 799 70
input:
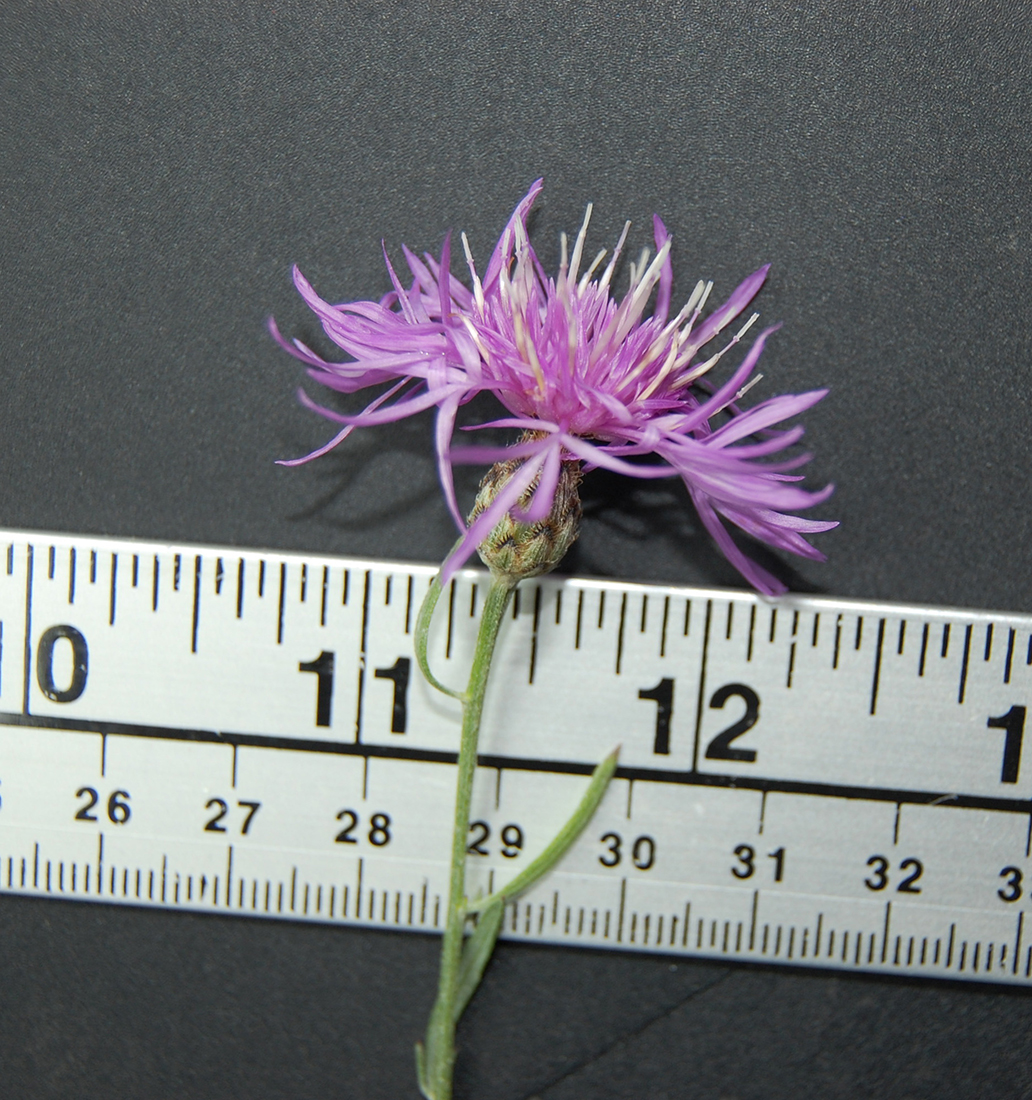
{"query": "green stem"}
pixel 438 1062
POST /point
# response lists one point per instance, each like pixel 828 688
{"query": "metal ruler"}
pixel 809 781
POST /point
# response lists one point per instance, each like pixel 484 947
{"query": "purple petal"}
pixel 771 412
pixel 544 495
pixel 494 265
pixel 730 388
pixel 741 296
pixel 597 456
pixel 341 435
pixel 755 574
pixel 444 428
pixel 469 456
pixel 486 522
pixel 365 419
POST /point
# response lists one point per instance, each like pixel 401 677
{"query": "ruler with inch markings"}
pixel 808 781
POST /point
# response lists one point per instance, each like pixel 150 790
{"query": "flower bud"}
pixel 519 550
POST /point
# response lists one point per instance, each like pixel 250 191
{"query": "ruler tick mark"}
pixel 902 635
pixel 663 629
pixel 791 664
pixel 408 607
pixel 71 576
pixel 558 606
pixel 114 577
pixel 93 567
pixel 10 562
pixel 838 641
pixel 282 596
pixel 580 609
pixel 177 566
pixel 876 677
pixel 196 601
pixel 261 579
pixel 154 593
pixel 816 627
pixel 687 617
pixel 325 590
pixel 362 658
pixel 50 563
pixel 773 623
pixel 387 590
pixel 28 628
pixel 924 650
pixel 988 642
pixel 451 619
pixel 752 631
pixel 534 634
pixel 945 640
pixel 964 664
pixel 473 588
pixel 601 608
pixel 136 570
pixel 240 589
pixel 730 619
pixel 219 574
pixel 702 686
pixel 347 585
pixel 859 632
pixel 620 632
pixel 1009 658
pixel 644 614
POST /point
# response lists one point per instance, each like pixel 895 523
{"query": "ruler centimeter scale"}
pixel 809 781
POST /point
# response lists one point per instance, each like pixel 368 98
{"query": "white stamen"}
pixel 699 370
pixel 608 273
pixel 578 247
pixel 478 290
pixel 586 277
pixel 639 267
pixel 747 387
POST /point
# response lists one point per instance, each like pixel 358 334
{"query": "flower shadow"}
pixel 659 523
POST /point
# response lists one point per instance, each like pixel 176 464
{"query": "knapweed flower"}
pixel 584 376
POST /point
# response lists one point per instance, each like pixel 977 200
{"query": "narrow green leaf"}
pixel 424 1084
pixel 426 614
pixel 555 851
pixel 475 954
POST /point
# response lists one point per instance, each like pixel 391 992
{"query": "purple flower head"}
pixel 590 377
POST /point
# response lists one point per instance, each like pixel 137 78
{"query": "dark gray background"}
pixel 164 164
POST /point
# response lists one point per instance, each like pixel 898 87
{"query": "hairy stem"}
pixel 438 1060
